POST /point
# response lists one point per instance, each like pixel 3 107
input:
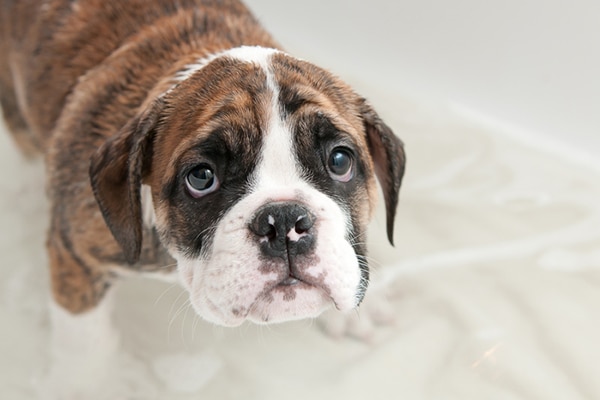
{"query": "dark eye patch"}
pixel 193 220
pixel 315 138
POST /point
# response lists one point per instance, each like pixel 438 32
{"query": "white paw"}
pixel 117 377
pixel 86 361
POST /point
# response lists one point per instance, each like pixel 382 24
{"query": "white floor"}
pixel 495 287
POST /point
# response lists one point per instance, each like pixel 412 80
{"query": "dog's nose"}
pixel 285 229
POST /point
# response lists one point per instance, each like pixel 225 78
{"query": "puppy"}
pixel 180 138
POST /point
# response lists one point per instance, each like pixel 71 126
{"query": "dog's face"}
pixel 262 172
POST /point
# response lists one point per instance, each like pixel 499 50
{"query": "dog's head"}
pixel 262 172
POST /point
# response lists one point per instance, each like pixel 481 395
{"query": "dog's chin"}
pixel 280 303
pixel 287 303
pixel 264 297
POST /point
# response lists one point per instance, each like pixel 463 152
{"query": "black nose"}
pixel 285 229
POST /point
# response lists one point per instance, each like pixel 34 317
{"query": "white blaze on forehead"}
pixel 278 165
pixel 254 54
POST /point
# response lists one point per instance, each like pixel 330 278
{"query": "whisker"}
pixel 176 300
pixel 369 260
pixel 185 314
pixel 195 326
pixel 164 292
pixel 182 307
pixel 173 317
pixel 167 266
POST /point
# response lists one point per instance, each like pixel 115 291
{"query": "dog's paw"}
pixel 86 360
pixel 362 323
pixel 115 376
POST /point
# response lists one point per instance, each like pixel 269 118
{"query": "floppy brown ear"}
pixel 116 172
pixel 387 151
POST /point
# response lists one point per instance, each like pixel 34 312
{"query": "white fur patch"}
pixel 148 214
pixel 278 166
pixel 255 54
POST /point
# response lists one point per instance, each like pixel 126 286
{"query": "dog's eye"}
pixel 201 180
pixel 340 164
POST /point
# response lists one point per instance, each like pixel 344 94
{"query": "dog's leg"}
pixel 83 342
pixel 77 285
pixel 83 348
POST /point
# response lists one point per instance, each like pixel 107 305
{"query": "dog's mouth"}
pixel 288 299
pixel 271 292
pixel 241 279
pixel 290 285
pixel 291 280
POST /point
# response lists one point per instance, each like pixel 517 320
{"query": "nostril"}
pixel 303 224
pixel 264 226
pixel 271 233
pixel 300 228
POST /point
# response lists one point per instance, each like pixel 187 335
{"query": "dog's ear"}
pixel 116 172
pixel 387 151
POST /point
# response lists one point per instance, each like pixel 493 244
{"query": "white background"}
pixel 532 64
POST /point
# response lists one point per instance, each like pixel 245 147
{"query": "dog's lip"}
pixel 286 282
pixel 289 281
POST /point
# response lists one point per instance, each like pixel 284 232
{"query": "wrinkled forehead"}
pixel 234 96
pixel 305 89
pixel 224 93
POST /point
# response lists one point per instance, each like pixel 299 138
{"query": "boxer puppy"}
pixel 179 137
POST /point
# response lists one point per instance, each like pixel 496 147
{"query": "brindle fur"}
pixel 76 76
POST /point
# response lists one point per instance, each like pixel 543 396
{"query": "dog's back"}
pixel 49 46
